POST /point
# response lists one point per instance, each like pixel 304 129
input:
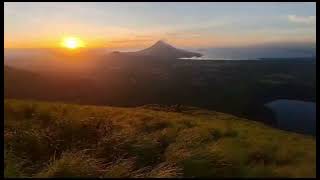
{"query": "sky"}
pixel 140 24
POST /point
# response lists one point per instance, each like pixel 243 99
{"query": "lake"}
pixel 294 115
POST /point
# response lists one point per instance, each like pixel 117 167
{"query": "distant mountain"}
pixel 54 60
pixel 165 50
pixel 19 83
pixel 23 84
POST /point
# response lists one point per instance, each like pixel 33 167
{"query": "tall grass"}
pixel 64 140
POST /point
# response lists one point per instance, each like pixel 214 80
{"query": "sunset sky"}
pixel 129 25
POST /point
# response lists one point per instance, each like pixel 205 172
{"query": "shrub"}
pixel 230 133
pixel 29 110
pixel 73 164
pixel 216 134
pixel 262 154
pixel 122 168
pixel 203 165
pixel 31 144
pixel 154 125
pixel 165 170
pixel 188 123
pixel 259 170
pixel 147 150
pixel 193 137
pixel 13 166
pixel 113 147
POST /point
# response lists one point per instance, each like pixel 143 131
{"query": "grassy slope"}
pixel 58 140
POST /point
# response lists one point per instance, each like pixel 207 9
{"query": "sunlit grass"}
pixel 65 140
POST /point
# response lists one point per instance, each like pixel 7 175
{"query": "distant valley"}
pixel 133 79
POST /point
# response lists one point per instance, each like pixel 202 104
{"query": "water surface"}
pixel 294 115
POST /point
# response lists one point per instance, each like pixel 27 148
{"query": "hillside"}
pixel 22 84
pixel 65 140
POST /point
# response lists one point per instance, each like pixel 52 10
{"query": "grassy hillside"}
pixel 64 140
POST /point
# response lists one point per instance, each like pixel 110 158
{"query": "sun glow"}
pixel 72 43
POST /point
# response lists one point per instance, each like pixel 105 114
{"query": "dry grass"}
pixel 65 140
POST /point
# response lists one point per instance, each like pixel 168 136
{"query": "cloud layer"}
pixel 302 19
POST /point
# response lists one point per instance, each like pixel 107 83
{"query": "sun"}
pixel 72 43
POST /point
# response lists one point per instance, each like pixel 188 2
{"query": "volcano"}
pixel 165 50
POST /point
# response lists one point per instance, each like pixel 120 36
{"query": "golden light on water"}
pixel 72 43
